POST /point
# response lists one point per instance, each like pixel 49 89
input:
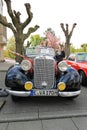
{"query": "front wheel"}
pixel 14 98
pixel 83 78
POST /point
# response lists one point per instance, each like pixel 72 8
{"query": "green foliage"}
pixel 35 40
pixel 72 49
pixel 11 46
pixel 6 53
pixel 83 48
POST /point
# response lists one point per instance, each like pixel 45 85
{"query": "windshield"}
pixel 33 52
pixel 82 57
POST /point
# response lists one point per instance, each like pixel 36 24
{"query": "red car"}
pixel 79 62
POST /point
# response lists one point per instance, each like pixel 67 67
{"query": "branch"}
pixel 67 30
pixel 9 8
pixel 17 15
pixel 30 15
pixel 11 13
pixel 30 30
pixel 62 26
pixel 72 30
pixel 4 22
pixel 28 8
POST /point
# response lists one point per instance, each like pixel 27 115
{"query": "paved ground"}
pixel 56 123
pixel 3 68
pixel 53 124
pixel 5 65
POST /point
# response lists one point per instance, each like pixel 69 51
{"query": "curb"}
pixel 25 117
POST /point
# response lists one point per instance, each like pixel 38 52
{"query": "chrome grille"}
pixel 44 73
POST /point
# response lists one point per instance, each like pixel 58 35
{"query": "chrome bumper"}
pixel 69 94
pixel 29 93
pixel 18 93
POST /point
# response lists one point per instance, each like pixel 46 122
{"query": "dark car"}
pixel 40 75
pixel 79 62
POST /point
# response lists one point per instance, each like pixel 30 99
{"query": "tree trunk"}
pixel 68 35
pixel 67 49
pixel 19 49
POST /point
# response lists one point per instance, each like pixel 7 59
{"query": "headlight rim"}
pixel 60 66
pixel 26 62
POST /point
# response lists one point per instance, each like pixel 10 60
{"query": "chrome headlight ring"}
pixel 26 65
pixel 63 66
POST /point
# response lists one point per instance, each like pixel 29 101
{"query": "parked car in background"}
pixel 79 62
pixel 39 74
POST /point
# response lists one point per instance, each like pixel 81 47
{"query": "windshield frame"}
pixel 39 51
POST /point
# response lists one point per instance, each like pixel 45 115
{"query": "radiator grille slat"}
pixel 44 73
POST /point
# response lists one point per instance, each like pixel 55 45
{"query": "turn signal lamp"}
pixel 61 86
pixel 28 85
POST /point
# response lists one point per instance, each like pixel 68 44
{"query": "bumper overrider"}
pixel 34 92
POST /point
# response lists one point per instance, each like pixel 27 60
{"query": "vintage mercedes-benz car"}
pixel 79 62
pixel 40 75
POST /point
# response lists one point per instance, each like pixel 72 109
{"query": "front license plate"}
pixel 46 93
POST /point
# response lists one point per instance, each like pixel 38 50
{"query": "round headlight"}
pixel 63 66
pixel 26 65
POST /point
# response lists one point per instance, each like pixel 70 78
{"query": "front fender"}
pixel 15 76
pixel 71 76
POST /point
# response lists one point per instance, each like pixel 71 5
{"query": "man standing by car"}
pixel 59 53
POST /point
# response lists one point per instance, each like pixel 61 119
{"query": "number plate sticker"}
pixel 46 93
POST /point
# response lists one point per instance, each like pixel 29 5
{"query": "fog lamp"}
pixel 61 86
pixel 28 85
